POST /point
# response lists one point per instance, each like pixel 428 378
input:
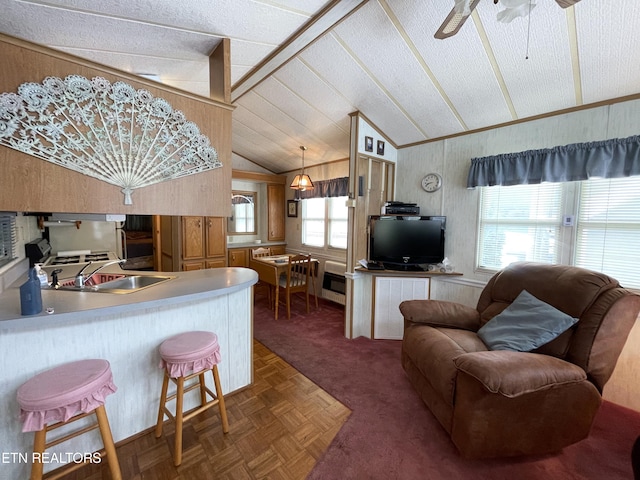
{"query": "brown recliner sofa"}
pixel 507 403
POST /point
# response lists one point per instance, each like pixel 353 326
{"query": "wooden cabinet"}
pixel 216 239
pixel 193 243
pixel 275 212
pixel 239 257
pixel 192 238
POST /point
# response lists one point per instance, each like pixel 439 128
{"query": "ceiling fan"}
pixel 512 9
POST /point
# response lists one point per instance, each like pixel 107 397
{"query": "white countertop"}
pixel 70 306
pixel 233 245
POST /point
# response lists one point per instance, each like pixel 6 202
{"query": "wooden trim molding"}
pixel 258 177
pixel 107 70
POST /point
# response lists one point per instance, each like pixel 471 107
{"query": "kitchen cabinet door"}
pixel 238 257
pixel 216 263
pixel 216 236
pixel 192 238
pixel 193 265
pixel 275 220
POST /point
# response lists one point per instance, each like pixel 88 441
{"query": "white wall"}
pixel 451 158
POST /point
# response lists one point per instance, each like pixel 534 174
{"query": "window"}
pixel 7 239
pixel 526 222
pixel 313 216
pixel 338 222
pixel 608 228
pixel 519 223
pixel 324 222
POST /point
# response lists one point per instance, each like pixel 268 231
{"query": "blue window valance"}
pixel 618 157
pixel 334 187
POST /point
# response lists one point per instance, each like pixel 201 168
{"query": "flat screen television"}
pixel 406 242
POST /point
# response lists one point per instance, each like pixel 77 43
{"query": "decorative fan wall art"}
pixel 111 132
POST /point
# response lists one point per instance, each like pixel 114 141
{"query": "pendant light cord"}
pixel 528 32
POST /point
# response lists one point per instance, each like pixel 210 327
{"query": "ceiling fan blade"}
pixel 566 3
pixel 455 20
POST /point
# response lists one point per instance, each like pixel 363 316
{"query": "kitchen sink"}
pixel 119 284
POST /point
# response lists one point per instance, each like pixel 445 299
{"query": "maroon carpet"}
pixel 391 434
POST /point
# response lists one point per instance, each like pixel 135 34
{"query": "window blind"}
pixel 519 223
pixel 7 239
pixel 608 228
pixel 313 222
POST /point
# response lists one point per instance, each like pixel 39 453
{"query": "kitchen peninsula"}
pixel 126 330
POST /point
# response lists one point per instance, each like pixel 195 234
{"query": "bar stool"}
pixel 63 395
pixel 186 356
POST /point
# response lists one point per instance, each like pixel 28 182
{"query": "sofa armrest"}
pixel 517 373
pixel 438 313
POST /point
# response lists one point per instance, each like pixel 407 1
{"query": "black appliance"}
pixel 37 251
pixel 406 242
pixel 400 208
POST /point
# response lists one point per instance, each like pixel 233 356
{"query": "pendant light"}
pixel 302 181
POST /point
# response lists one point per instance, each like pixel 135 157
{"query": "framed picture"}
pixel 368 144
pixel 380 147
pixel 292 208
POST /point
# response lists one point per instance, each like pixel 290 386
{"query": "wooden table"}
pixel 271 267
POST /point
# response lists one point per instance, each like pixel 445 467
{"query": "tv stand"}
pixel 378 316
pixel 403 268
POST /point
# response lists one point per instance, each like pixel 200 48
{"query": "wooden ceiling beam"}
pixel 324 21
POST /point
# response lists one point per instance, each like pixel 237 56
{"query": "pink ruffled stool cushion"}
pixel 189 352
pixel 58 394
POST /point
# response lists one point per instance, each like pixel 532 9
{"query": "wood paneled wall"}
pixel 28 184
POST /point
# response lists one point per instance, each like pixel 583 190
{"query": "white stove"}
pixel 79 257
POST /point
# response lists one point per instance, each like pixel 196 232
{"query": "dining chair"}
pixel 296 279
pixel 263 252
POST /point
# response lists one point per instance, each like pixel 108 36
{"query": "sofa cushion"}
pixel 525 325
pixel 513 374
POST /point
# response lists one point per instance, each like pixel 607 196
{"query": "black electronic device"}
pixel 37 251
pixel 406 242
pixel 374 265
pixel 402 209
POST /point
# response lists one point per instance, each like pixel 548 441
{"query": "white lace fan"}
pixel 111 132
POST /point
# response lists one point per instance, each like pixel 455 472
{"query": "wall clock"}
pixel 431 182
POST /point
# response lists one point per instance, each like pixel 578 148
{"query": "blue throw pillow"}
pixel 525 325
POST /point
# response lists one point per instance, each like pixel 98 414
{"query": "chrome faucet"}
pixel 81 279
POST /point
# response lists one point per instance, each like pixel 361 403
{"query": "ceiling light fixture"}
pixel 302 181
pixel 513 9
pixel 456 18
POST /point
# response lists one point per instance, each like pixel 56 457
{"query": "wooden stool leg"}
pixel 39 442
pixel 177 460
pixel 163 401
pixel 107 441
pixel 223 410
pixel 203 390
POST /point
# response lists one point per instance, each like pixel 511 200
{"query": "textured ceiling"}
pixel 328 59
